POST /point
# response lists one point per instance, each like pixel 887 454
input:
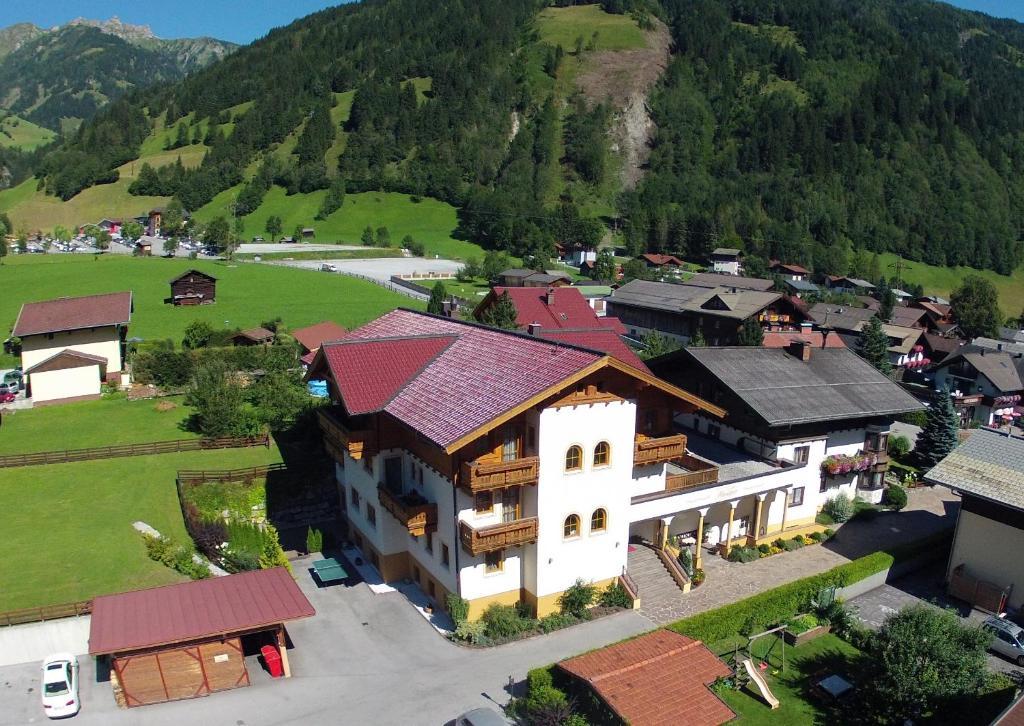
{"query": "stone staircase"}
pixel 659 593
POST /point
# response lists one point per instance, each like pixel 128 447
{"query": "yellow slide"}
pixel 757 679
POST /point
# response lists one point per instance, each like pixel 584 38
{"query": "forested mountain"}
pixel 70 72
pixel 801 129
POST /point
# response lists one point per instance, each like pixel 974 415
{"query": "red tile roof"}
pixel 606 341
pixel 193 610
pixel 782 339
pixel 479 374
pixel 657 679
pixel 569 309
pixel 74 313
pixel 656 259
pixel 370 373
pixel 313 336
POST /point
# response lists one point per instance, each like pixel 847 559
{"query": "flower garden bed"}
pixel 749 554
pixel 804 628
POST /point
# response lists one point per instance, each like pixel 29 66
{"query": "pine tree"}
pixel 751 334
pixel 887 300
pixel 502 314
pixel 873 345
pixel 938 437
pixel 437 298
pixel 367 236
pixel 697 340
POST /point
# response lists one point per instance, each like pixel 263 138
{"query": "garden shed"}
pixel 193 288
pixel 254 336
pixel 188 640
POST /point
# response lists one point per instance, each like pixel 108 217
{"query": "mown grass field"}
pixel 943 280
pixel 107 422
pixel 562 26
pixel 68 527
pixel 246 293
pixel 21 134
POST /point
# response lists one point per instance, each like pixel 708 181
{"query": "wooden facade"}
pixel 194 288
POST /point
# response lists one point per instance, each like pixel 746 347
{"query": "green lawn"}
pixel 827 652
pixel 562 26
pixel 247 293
pixel 21 134
pixel 107 422
pixel 943 280
pixel 68 527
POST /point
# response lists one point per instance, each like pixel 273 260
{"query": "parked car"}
pixel 257 239
pixel 328 267
pixel 7 397
pixel 14 376
pixel 60 686
pixel 1007 640
pixel 11 388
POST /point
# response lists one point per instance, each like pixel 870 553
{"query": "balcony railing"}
pixel 482 475
pixel 658 451
pixel 477 541
pixel 411 510
pixel 340 437
pixel 698 473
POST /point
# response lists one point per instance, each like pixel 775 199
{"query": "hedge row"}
pixel 769 608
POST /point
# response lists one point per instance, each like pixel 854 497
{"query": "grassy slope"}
pixel 246 293
pixel 22 134
pixel 562 26
pixel 68 527
pixel 943 280
pixel 108 422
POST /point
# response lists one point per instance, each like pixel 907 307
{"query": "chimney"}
pixel 533 328
pixel 551 296
pixel 800 349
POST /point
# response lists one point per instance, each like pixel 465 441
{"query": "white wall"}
pixel 991 551
pixel 66 383
pixel 94 341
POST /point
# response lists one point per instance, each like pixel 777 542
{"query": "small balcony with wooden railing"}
pixel 345 436
pixel 479 540
pixel 411 510
pixel 482 475
pixel 661 450
pixel 688 471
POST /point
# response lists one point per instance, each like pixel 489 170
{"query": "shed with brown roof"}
pixel 313 336
pixel 253 336
pixel 658 678
pixel 185 640
pixel 194 288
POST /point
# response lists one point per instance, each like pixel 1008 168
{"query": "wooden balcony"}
pixel 483 475
pixel 477 541
pixel 339 437
pixel 411 510
pixel 698 473
pixel 647 452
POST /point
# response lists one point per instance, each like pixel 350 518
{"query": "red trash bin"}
pixel 273 660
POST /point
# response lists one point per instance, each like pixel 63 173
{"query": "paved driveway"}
pixel 363 659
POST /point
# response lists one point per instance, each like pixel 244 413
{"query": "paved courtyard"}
pixel 363 659
pixel 929 510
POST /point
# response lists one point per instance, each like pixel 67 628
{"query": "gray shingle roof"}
pixel 675 298
pixel 1002 368
pixel 840 317
pixel 714 279
pixel 906 316
pixel 801 285
pixel 834 384
pixel 989 464
pixel 726 251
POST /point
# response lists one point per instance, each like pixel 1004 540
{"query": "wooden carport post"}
pixel 282 647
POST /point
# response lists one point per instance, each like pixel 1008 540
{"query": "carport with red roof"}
pixel 184 641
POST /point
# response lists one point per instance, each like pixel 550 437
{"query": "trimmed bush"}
pixel 765 549
pixel 576 599
pixel 791 544
pixel 615 596
pixel 556 621
pixel 458 608
pixel 743 554
pixel 839 508
pixel 314 540
pixel 896 497
pixel 503 621
pixel 544 704
pixel 471 631
pixel 818 536
pixel 899 446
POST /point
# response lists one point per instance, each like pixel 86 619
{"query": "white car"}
pixel 60 685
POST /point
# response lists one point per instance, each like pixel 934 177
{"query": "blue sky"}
pixel 240 21
pixel 243 21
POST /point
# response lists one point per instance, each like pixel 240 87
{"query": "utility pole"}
pixel 900 266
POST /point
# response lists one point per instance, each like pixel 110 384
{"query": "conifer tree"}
pixel 502 314
pixel 437 298
pixel 873 345
pixel 751 333
pixel 939 435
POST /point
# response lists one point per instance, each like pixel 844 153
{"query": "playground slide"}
pixel 762 685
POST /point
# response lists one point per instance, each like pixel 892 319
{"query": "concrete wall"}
pixel 991 551
pixel 67 383
pixel 94 341
pixel 34 641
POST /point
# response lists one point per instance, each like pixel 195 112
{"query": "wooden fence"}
pixel 145 449
pixel 46 612
pixel 198 476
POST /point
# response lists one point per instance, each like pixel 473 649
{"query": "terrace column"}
pixel 698 562
pixel 282 647
pixel 785 509
pixel 728 532
pixel 666 522
pixel 757 514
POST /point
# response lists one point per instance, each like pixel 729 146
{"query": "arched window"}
pixel 599 520
pixel 574 459
pixel 571 528
pixel 602 454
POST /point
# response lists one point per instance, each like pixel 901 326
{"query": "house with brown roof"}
pixel 518 277
pixel 662 263
pixel 658 678
pixel 253 336
pixel 987 385
pixel 312 337
pixel 70 346
pixel 193 288
pixel 789 271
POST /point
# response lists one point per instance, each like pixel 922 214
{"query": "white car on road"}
pixel 60 685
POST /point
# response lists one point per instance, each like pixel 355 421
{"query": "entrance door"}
pixel 510 504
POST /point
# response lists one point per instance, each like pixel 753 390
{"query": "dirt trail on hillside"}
pixel 624 78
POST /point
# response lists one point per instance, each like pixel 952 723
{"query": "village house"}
pixel 793 273
pixel 939 316
pixel 563 314
pixel 596 295
pixel 800 287
pixel 253 336
pixel 985 567
pixel 193 288
pixel 664 264
pixel 312 337
pixel 986 385
pixel 726 261
pixel 517 277
pixel 70 346
pixel 712 279
pixel 679 311
pixel 848 285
